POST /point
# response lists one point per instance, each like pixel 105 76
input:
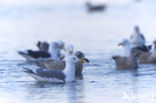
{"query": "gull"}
pixel 124 62
pixel 129 59
pixel 138 41
pixel 92 7
pixel 53 53
pixel 148 57
pixel 46 75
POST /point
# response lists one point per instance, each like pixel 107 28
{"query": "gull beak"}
pixel 85 59
pixel 120 44
pixel 81 61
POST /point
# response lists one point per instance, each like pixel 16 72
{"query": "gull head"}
pixel 54 50
pixel 54 45
pixel 81 56
pixel 70 49
pixel 126 47
pixel 43 46
pixel 124 43
pixel 61 45
pixel 73 59
pixel 136 29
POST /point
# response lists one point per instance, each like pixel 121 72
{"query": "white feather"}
pixel 54 51
pixel 136 39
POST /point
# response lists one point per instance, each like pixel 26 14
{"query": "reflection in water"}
pixel 70 92
pixel 44 92
pixel 75 92
pixel 135 90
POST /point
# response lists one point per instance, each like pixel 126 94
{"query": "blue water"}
pixel 23 23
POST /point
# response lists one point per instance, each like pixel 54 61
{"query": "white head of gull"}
pixel 54 51
pixel 126 46
pixel 137 39
pixel 69 50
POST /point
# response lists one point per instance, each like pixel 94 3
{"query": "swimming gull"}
pixel 126 46
pixel 123 62
pixel 53 53
pixel 92 7
pixel 148 57
pixel 138 41
pixel 66 75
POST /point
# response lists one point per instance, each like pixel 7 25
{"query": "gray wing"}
pixel 51 74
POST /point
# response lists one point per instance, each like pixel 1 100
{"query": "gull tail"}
pixel 114 57
pixel 28 71
pixel 22 53
pixel 33 74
